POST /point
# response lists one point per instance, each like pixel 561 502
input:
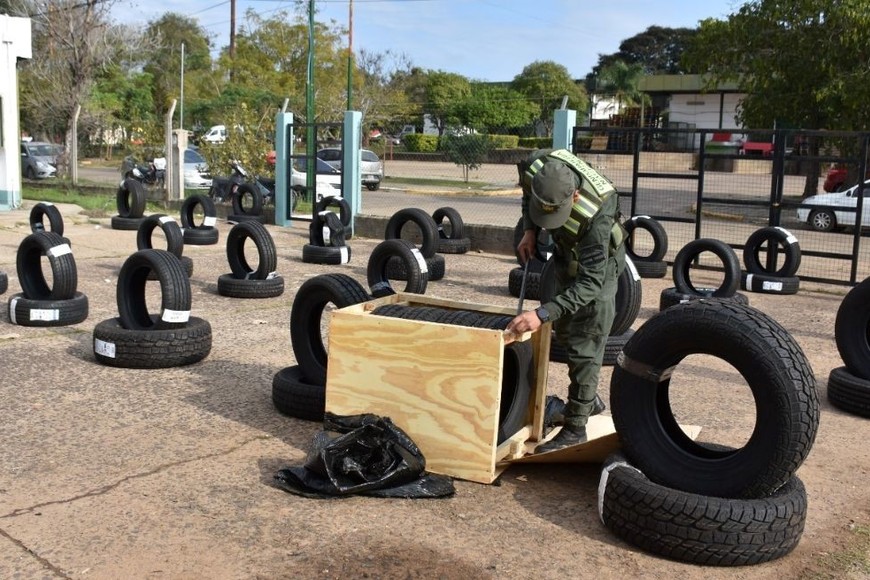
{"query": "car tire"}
pixel 435 266
pixel 240 218
pixel 516 388
pixel 848 392
pixel 174 286
pixel 201 236
pixel 344 212
pixel 312 254
pixel 130 199
pixel 247 200
pixel 295 397
pixel 415 266
pixel 651 269
pixel 614 345
pixel 306 319
pixel 730 264
pixel 42 211
pixel 456 227
pixel 852 330
pixel 188 207
pixel 60 259
pixel 533 283
pixel 326 230
pixel 231 287
pixel 767 284
pixel 696 528
pixel 171 232
pixel 265 246
pixel 4 282
pixel 124 223
pixel 116 346
pixel 671 297
pixel 786 243
pixel 427 228
pixel 822 220
pixel 655 229
pixel 453 246
pixel 24 311
pixel 769 360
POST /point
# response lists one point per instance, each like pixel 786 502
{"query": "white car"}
pixel 327 179
pixel 196 174
pixel 828 218
pixel 371 168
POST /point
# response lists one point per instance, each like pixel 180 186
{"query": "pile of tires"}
pixel 543 251
pixel 629 294
pixel 243 280
pixel 451 236
pixel 342 208
pixel 326 240
pixel 130 199
pixel 413 265
pixel 39 304
pixel 766 277
pixel 172 234
pixel 247 203
pixel 45 210
pixel 517 371
pixel 202 232
pixel 300 390
pixel 684 290
pixel 138 339
pixel 705 503
pixel 653 264
pixel 849 385
pixel 401 225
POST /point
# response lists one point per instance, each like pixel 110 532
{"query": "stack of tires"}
pixel 381 268
pixel 300 390
pixel 327 242
pixel 40 304
pixel 46 210
pixel 202 232
pixel 245 281
pixel 141 340
pixel 451 238
pixel 340 204
pixel 706 503
pixel 247 204
pixel 426 233
pixel 683 289
pixel 130 200
pixel 767 278
pixel 172 234
pixel 629 294
pixel 651 265
pixel 849 385
pixel 543 252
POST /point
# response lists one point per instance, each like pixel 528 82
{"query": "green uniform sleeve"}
pixel 592 251
pixel 528 224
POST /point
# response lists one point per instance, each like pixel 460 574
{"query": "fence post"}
pixel 563 128
pixel 283 175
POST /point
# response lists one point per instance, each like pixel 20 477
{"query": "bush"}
pixel 536 142
pixel 503 141
pixel 420 143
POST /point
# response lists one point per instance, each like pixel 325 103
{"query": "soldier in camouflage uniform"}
pixel 580 209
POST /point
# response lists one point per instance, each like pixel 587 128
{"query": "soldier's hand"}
pixel 525 322
pixel 526 247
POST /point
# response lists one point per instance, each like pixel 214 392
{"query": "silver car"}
pixel 196 174
pixel 371 168
pixel 38 160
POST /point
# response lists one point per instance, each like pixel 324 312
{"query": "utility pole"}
pixel 181 113
pixel 311 133
pixel 350 56
pixel 232 38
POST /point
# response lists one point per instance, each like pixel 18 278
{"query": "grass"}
pixel 93 204
pixel 853 561
pixel 437 182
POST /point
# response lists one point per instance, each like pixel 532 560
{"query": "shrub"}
pixel 503 141
pixel 420 143
pixel 536 142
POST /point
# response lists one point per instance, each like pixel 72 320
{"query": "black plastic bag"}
pixel 366 455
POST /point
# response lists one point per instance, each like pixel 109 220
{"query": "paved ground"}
pixel 114 473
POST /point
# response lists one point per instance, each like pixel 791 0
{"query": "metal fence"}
pixel 698 183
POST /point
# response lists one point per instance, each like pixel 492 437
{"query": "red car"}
pixel 835 180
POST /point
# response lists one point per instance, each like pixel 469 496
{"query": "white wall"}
pixel 15 43
pixel 704 111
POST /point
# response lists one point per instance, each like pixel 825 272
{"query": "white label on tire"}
pixel 602 484
pixel 271 275
pixel 635 276
pixel 166 219
pixel 12 304
pixel 789 237
pixel 345 255
pixel 47 314
pixel 326 234
pixel 420 260
pixel 47 203
pixel 175 315
pixel 775 286
pixel 641 217
pixel 209 221
pixel 104 348
pixel 749 281
pixel 59 250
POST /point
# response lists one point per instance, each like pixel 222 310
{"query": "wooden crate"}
pixel 440 383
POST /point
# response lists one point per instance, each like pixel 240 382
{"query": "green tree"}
pixel 379 93
pixel 444 91
pixel 250 133
pixel 546 83
pixel 799 63
pixel 658 50
pixel 467 151
pixel 619 80
pixel 495 108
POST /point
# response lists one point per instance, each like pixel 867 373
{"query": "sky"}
pixel 485 40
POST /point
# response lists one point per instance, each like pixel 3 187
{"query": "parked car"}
pixel 371 167
pixel 826 219
pixel 196 175
pixel 216 134
pixel 835 180
pixel 38 159
pixel 327 179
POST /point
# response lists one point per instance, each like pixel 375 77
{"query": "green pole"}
pixel 350 57
pixel 310 135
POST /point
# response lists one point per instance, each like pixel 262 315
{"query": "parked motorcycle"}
pixel 225 188
pixel 151 173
